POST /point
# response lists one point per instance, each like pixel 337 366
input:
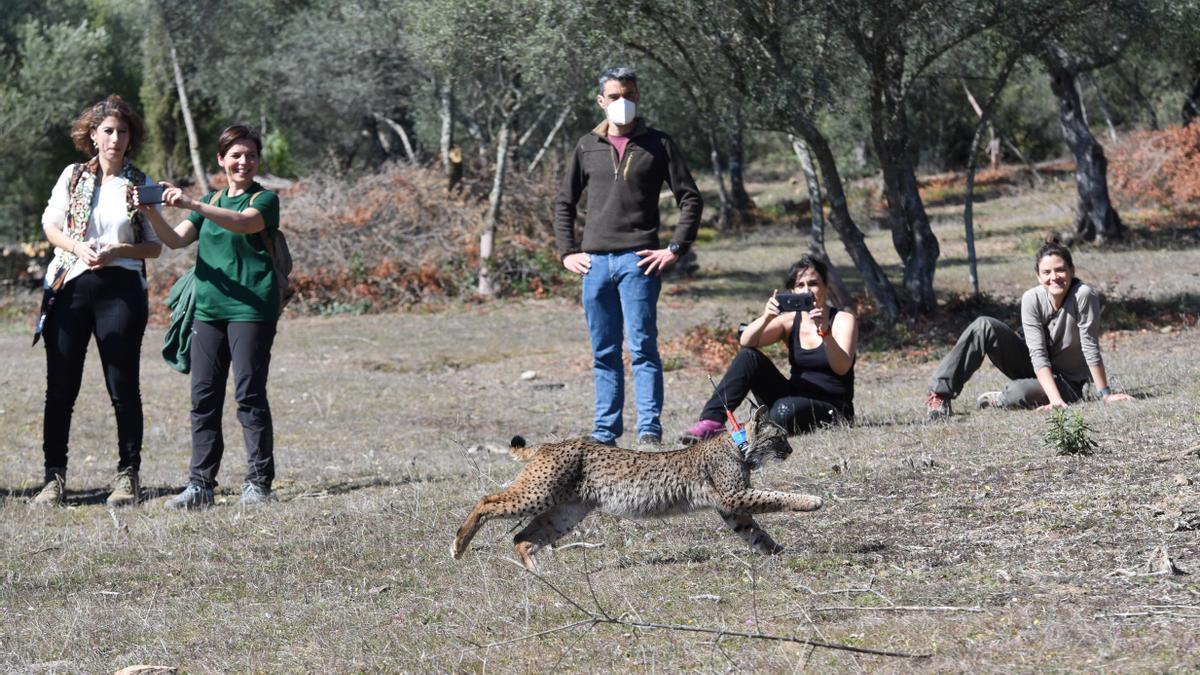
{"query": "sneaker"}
pixel 702 430
pixel 254 494
pixel 990 399
pixel 649 443
pixel 612 442
pixel 53 492
pixel 937 407
pixel 193 497
pixel 126 489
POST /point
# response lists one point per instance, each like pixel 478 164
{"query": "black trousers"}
pixel 109 303
pixel 992 338
pixel 752 372
pixel 246 345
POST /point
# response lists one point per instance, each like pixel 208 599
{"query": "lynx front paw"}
pixel 806 503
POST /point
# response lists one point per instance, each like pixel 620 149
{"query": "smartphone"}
pixel 794 302
pixel 150 194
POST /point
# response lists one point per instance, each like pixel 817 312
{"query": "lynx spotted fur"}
pixel 563 482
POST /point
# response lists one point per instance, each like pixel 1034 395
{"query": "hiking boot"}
pixel 649 443
pixel 126 489
pixel 990 399
pixel 937 407
pixel 254 494
pixel 53 492
pixel 193 498
pixel 612 442
pixel 700 431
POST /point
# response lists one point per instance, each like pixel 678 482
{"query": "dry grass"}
pixel 376 416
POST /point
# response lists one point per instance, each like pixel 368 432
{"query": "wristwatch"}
pixel 677 249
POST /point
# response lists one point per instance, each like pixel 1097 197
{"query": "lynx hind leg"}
pixel 546 529
pixel 768 501
pixel 744 526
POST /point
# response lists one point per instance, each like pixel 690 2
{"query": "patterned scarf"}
pixel 84 178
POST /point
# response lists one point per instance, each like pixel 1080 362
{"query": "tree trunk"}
pixel 985 121
pixel 879 289
pixel 1131 81
pixel 1191 100
pixel 1096 219
pixel 816 244
pixel 487 285
pixel 911 234
pixel 1112 128
pixel 399 131
pixel 724 208
pixel 737 164
pixel 558 123
pixel 193 140
pixel 446 138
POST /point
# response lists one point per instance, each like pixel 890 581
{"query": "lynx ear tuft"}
pixel 517 442
pixel 759 415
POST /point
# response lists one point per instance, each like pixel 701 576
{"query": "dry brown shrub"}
pixel 1158 168
pixel 398 238
pixel 705 347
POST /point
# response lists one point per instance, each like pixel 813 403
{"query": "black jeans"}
pixel 752 372
pixel 246 345
pixel 1008 352
pixel 109 303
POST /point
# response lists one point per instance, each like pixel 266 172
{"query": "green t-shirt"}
pixel 235 280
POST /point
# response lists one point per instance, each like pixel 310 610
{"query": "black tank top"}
pixel 811 374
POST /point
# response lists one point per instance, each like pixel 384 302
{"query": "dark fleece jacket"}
pixel 622 202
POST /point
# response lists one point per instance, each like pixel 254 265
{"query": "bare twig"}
pixel 1129 615
pixel 895 608
pixel 578 544
pixel 41 550
pixel 595 620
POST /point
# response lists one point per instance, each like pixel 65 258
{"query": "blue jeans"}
pixel 616 295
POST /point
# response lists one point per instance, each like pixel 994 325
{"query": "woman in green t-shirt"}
pixel 237 307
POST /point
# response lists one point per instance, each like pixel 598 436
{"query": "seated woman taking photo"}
pixel 821 344
pixel 1047 368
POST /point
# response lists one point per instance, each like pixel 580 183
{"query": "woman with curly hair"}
pixel 96 286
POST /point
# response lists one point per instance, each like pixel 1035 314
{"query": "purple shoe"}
pixel 702 430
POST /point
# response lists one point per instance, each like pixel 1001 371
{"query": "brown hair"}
pixel 235 133
pixel 1052 246
pixel 805 262
pixel 89 120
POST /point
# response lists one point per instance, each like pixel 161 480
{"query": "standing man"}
pixel 623 164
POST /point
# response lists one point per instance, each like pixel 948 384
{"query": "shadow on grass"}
pixel 90 497
pixel 1174 232
pixel 285 492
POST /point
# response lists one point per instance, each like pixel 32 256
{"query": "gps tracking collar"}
pixel 738 435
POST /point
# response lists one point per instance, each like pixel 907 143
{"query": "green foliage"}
pixel 277 156
pixel 1067 433
pixel 52 72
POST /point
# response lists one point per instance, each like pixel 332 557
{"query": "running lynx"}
pixel 565 481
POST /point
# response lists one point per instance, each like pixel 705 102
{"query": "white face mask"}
pixel 621 111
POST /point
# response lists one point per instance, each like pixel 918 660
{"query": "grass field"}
pixel 968 543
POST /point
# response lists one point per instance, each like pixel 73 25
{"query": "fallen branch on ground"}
pixel 604 618
pixel 895 608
